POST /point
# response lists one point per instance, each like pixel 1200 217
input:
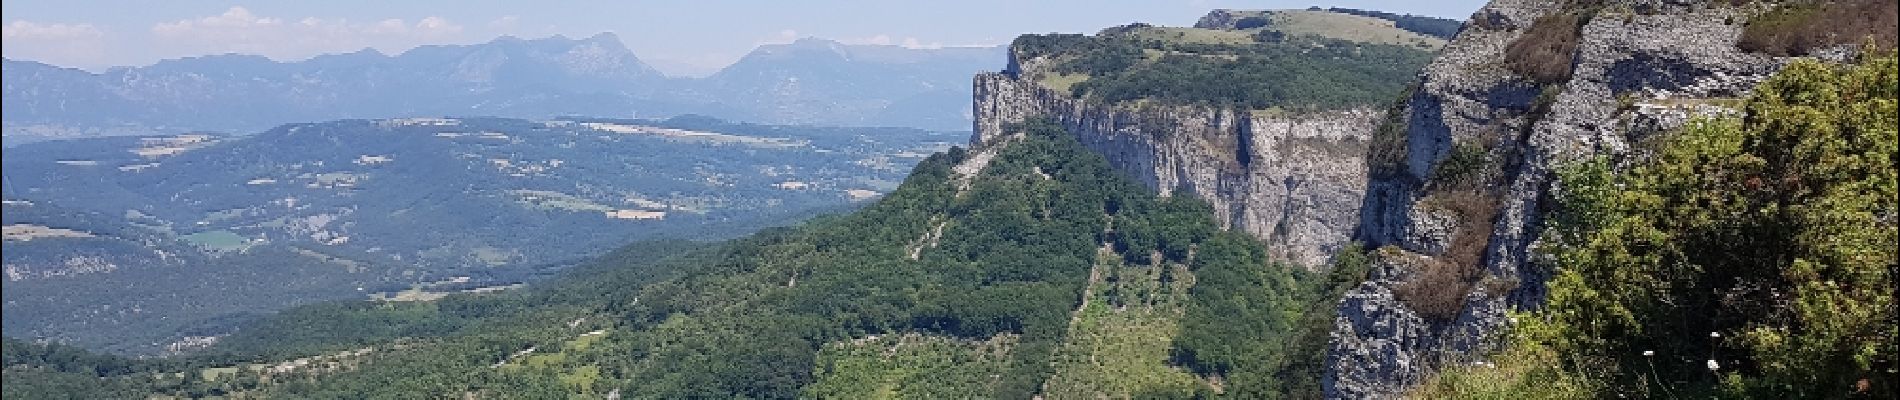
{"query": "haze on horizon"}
pixel 678 38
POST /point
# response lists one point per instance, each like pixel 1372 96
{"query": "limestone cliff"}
pixel 1638 67
pixel 1292 180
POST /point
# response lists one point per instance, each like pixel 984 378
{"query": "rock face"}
pixel 1640 67
pixel 1294 181
pixel 1225 19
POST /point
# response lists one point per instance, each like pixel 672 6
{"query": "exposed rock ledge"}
pixel 1294 181
pixel 1676 53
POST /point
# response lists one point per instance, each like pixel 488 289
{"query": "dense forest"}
pixel 1001 283
pixel 1745 257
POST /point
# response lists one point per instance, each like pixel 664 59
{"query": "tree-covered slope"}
pixel 998 273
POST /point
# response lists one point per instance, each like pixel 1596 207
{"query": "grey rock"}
pixel 1224 18
pixel 1670 53
pixel 1295 181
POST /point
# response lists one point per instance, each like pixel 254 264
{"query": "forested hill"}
pixel 1026 268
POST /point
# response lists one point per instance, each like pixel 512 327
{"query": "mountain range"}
pixel 810 81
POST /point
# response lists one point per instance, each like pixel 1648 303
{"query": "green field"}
pixel 218 240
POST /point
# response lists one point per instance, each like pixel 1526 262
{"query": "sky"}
pixel 683 38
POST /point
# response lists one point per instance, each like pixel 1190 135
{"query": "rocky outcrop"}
pixel 1226 19
pixel 1641 67
pixel 1294 181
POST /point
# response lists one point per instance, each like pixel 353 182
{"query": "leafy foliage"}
pixel 1752 257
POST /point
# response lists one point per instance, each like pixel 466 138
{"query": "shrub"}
pixel 1252 22
pixel 1385 155
pixel 1438 289
pixel 1764 242
pixel 1466 164
pixel 1799 28
pixel 1543 54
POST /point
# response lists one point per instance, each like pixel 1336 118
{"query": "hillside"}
pixel 1578 199
pixel 998 273
pixel 391 206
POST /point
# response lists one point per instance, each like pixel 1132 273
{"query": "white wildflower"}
pixel 1715 334
pixel 1714 366
pixel 1649 353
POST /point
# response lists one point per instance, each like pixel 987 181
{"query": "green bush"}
pixel 1545 52
pixel 1753 257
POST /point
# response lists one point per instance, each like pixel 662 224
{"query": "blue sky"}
pixel 680 37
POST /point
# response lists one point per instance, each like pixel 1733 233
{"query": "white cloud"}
pixel 909 42
pixel 57 43
pixel 505 23
pixel 238 30
pixel 437 26
pixel 236 18
pixel 29 30
pixel 878 39
pixel 782 37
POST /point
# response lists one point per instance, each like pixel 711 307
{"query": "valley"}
pixel 379 208
pixel 1567 200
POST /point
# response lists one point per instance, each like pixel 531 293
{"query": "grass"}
pixel 212 374
pixel 910 366
pixel 1178 35
pixel 1118 343
pixel 1062 83
pixel 1523 372
pixel 1800 27
pixel 1348 27
pixel 493 256
pixel 551 200
pixel 352 266
pixel 561 362
pixel 218 240
pixel 1543 54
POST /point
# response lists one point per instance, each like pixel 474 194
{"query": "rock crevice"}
pixel 1294 181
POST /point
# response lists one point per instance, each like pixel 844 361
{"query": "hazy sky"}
pixel 679 37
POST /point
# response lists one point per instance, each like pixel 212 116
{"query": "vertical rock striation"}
pixel 1294 181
